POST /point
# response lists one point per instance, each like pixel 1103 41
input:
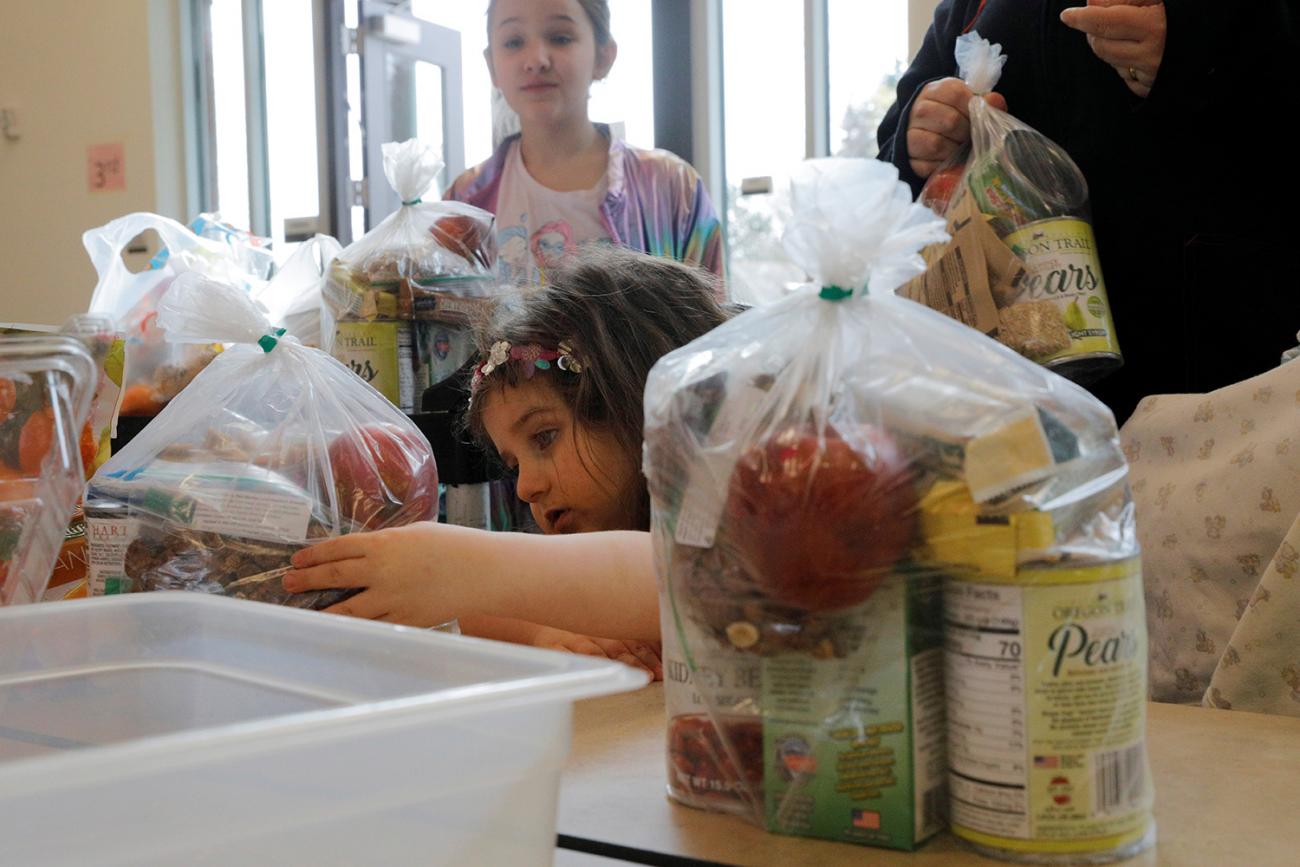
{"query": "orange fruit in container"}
pixel 8 397
pixel 35 440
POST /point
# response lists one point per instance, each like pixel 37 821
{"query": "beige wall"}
pixel 81 73
pixel 920 14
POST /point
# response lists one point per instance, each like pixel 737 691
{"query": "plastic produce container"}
pixel 180 728
pixel 46 386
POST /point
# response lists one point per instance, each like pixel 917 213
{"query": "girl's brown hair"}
pixel 618 312
pixel 597 13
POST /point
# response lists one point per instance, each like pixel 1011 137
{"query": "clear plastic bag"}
pixel 1022 264
pixel 294 296
pixel 273 446
pixel 428 260
pixel 156 370
pixel 46 385
pixel 251 253
pixel 838 481
pixel 428 266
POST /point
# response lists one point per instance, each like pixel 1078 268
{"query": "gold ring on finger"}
pixel 1132 74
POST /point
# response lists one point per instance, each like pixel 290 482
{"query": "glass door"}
pixel 410 88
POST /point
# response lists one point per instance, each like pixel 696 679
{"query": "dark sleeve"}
pixel 1217 54
pixel 934 61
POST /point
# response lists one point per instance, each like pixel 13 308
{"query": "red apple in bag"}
pixel 938 191
pixel 384 477
pixel 816 522
pixel 461 234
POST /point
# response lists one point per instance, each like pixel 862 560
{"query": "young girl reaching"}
pixel 558 395
pixel 564 181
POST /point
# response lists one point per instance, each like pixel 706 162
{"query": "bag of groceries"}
pixel 156 370
pixel 46 387
pixel 273 446
pixel 421 273
pixel 1022 263
pixel 852 493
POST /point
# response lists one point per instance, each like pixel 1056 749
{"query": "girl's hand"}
pixel 426 574
pixel 1127 34
pixel 939 124
pixel 394 567
pixel 638 654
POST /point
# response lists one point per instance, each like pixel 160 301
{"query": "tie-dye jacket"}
pixel 655 203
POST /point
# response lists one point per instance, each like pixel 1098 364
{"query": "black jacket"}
pixel 1194 191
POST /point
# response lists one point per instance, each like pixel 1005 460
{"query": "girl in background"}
pixel 557 394
pixel 563 170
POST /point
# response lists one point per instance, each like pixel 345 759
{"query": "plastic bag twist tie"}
pixel 269 341
pixel 835 293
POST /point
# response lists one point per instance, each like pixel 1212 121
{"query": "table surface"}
pixel 1227 791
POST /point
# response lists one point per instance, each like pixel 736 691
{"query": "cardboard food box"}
pixel 855 748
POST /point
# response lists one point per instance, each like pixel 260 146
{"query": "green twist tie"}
pixel 414 201
pixel 269 341
pixel 834 293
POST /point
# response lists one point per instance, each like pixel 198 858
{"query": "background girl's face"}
pixel 543 56
pixel 575 480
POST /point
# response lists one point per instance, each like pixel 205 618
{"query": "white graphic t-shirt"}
pixel 537 227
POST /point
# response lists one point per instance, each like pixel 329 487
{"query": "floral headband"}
pixel 534 357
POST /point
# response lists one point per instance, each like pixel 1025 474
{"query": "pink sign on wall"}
pixel 106 167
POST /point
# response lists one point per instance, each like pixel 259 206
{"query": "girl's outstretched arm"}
pixel 645 655
pixel 426 574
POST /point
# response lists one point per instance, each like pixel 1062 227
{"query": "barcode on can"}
pixel 1119 779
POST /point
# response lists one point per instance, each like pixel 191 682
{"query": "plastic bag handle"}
pixel 105 244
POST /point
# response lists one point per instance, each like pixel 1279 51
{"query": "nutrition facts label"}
pixel 986 708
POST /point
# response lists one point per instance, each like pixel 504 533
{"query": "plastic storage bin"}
pixel 179 728
pixel 46 386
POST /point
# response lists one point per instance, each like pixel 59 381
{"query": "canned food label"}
pixel 380 353
pixel 1046 693
pixel 440 351
pixel 405 367
pixel 470 505
pixel 108 539
pixel 701 691
pixel 1063 272
pixel 998 193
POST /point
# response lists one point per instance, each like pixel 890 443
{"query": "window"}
pixel 867 52
pixel 626 97
pixel 229 112
pixel 293 173
pixel 261 139
pixel 470 20
pixel 796 79
pixel 799 80
pixel 764 128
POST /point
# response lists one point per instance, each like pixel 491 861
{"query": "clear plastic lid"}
pixel 46 386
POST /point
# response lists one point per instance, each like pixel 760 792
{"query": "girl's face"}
pixel 575 480
pixel 543 56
